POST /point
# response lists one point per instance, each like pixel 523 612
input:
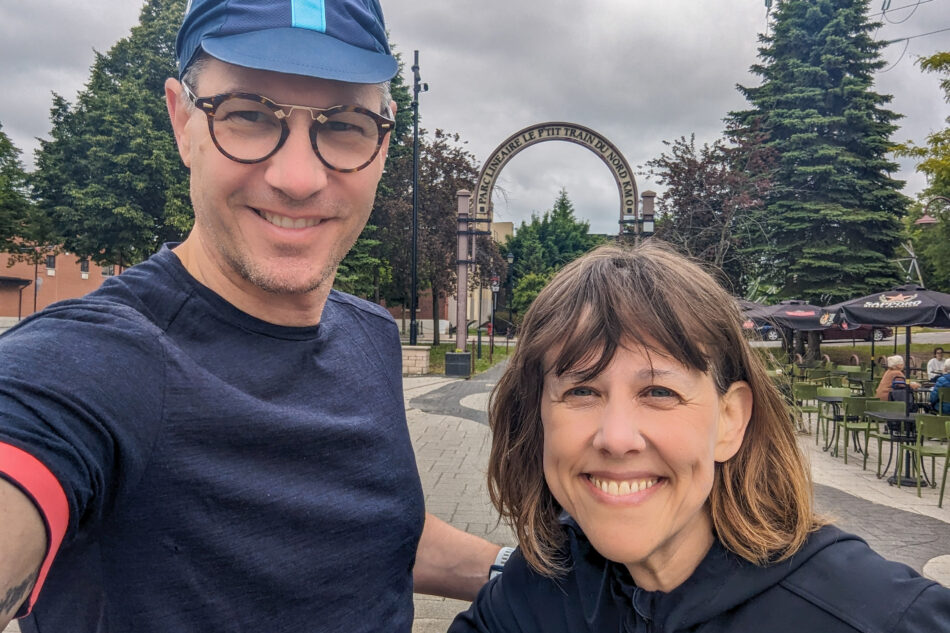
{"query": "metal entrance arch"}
pixel 560 131
pixel 630 219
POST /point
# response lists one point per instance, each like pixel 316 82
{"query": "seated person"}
pixel 943 381
pixel 935 364
pixel 895 369
pixel 648 467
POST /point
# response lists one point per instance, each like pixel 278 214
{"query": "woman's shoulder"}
pixel 845 577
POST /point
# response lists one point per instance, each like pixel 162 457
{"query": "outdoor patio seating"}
pixel 932 435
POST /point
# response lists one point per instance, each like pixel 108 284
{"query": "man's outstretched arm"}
pixel 450 562
pixel 22 547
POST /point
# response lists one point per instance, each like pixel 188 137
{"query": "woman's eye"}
pixel 580 392
pixel 660 392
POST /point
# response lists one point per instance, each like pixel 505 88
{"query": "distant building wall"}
pixel 60 277
pixel 423 314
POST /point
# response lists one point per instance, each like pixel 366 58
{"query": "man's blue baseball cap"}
pixel 344 40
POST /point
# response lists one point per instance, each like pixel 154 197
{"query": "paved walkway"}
pixel 448 424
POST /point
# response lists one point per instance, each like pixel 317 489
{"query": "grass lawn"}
pixel 437 355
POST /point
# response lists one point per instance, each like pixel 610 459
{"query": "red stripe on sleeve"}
pixel 34 478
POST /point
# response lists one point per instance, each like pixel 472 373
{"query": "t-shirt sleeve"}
pixel 81 393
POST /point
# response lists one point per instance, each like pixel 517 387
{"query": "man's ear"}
pixel 735 410
pixel 179 114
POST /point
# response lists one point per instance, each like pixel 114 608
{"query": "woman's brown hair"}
pixel 648 297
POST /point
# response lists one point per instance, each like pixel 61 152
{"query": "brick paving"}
pixel 452 413
pixel 448 425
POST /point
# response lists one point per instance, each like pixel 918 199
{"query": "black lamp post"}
pixel 417 87
pixel 510 257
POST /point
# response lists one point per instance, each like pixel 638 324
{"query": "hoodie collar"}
pixel 721 582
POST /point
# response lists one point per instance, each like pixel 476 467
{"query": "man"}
pixel 214 440
pixel 942 382
pixel 935 364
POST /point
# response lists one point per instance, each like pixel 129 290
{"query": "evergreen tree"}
pixel 377 266
pixel 833 212
pixel 543 246
pixel 14 196
pixel 110 178
pixel 26 233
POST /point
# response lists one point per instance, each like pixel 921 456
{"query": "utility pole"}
pixel 417 87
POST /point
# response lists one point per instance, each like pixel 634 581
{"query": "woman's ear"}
pixel 735 410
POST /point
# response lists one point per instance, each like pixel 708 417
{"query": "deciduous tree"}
pixel 932 242
pixel 711 208
pixel 110 177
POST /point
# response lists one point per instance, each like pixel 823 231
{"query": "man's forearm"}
pixel 22 545
pixel 450 562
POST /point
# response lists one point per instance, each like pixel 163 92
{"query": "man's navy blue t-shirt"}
pixel 221 473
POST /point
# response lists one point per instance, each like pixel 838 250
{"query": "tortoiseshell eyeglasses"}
pixel 249 128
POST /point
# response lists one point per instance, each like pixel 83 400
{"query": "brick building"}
pixel 57 277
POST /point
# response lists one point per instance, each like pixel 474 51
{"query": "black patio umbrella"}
pixel 796 315
pixel 787 315
pixel 904 306
pixel 752 313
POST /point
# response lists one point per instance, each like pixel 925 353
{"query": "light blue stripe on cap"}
pixel 308 14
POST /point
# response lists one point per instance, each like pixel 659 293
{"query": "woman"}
pixel 895 369
pixel 942 382
pixel 650 471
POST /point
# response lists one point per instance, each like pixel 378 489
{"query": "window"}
pixel 51 265
pixel 84 268
pixel 108 271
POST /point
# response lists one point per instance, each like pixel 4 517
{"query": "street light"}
pixel 927 219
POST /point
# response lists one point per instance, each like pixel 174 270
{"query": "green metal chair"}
pixel 813 374
pixel 803 395
pixel 874 429
pixel 930 427
pixel 828 413
pixel 849 368
pixel 853 421
pixel 836 381
pixel 943 395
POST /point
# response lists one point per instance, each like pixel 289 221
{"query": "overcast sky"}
pixel 636 71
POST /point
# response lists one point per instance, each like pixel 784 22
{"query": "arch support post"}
pixel 463 198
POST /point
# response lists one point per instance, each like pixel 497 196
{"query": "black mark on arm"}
pixel 16 595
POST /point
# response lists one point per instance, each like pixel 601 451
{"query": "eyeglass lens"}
pixel 249 130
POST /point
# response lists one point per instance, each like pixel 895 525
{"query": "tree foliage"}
pixel 712 207
pixel 543 246
pixel 373 267
pixel 110 178
pixel 26 233
pixel 932 242
pixel 14 193
pixel 833 211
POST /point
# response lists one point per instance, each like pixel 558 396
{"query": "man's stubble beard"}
pixel 258 275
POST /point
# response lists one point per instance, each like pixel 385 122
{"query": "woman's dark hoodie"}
pixel 834 584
